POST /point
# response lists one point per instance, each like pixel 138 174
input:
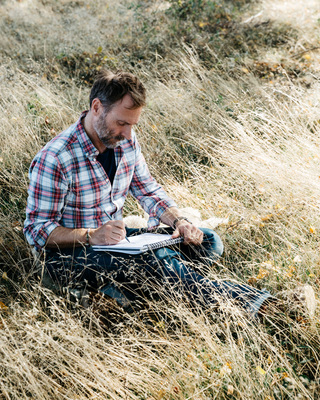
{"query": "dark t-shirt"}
pixel 108 161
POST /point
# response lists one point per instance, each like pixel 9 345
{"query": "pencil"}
pixel 110 218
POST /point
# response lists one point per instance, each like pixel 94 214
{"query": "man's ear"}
pixel 96 107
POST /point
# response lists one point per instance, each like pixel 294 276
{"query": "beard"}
pixel 106 135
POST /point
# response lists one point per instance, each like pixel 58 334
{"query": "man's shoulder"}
pixel 63 145
pixel 63 141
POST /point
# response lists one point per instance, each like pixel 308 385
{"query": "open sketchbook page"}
pixel 140 243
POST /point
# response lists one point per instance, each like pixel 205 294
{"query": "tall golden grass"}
pixel 221 138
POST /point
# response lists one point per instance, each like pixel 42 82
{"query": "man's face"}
pixel 115 125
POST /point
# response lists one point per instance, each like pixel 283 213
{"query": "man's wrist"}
pixel 177 221
pixel 87 243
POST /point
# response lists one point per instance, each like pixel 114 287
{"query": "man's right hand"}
pixel 110 233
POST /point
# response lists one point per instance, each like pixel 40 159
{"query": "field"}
pixel 231 129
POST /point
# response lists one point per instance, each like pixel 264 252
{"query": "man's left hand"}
pixel 191 234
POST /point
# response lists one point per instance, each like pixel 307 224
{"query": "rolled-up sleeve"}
pixel 46 197
pixel 153 199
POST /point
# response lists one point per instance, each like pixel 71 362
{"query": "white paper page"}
pixel 136 242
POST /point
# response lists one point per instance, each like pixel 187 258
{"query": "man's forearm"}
pixel 170 215
pixel 110 233
pixel 66 237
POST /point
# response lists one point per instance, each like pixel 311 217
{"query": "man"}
pixel 78 185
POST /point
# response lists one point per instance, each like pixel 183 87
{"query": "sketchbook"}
pixel 140 243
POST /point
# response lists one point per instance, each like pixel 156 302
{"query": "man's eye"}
pixel 121 123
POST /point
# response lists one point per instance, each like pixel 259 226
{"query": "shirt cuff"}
pixel 158 210
pixel 43 233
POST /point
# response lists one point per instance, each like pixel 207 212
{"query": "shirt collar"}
pixel 84 140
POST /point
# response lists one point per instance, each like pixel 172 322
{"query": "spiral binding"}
pixel 165 243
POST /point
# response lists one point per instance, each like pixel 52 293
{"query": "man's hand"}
pixel 191 234
pixel 110 233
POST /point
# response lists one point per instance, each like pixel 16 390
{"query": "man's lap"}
pixel 166 269
pixel 83 263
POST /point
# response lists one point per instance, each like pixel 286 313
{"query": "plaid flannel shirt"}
pixel 69 187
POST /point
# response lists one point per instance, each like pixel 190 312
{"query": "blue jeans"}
pixel 175 269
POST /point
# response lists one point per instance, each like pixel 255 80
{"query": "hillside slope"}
pixel 231 128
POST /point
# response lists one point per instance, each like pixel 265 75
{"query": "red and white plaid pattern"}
pixel 69 187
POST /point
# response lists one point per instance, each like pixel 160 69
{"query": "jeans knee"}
pixel 212 241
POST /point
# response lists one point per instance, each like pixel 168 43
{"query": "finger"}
pixel 188 238
pixel 186 232
pixel 117 224
pixel 193 236
pixel 115 227
pixel 197 234
pixel 119 232
pixel 116 238
pixel 176 234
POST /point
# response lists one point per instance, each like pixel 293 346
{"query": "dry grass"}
pixel 222 135
pixel 49 353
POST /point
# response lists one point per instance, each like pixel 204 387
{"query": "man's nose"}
pixel 127 132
